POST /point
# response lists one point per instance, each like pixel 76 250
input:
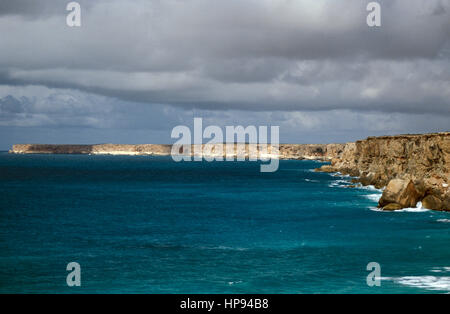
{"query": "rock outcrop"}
pixel 432 202
pixel 420 161
pixel 392 206
pixel 401 192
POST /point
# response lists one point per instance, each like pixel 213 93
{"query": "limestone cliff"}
pixel 285 151
pixel 419 164
pixel 413 168
pixel 100 149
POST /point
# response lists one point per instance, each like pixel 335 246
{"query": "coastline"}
pixel 410 168
pixel 322 152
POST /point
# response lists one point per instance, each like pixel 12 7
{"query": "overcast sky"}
pixel 135 69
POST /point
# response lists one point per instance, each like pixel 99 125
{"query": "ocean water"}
pixel 150 225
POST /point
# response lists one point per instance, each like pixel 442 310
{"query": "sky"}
pixel 136 69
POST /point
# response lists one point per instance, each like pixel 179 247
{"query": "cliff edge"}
pixel 412 168
pixel 324 152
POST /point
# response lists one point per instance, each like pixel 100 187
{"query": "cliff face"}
pixel 421 160
pixel 311 151
pixel 50 149
pixel 286 151
pixel 101 149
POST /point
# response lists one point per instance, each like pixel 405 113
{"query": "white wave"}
pixel 310 180
pixel 440 269
pixel 424 282
pixel 345 176
pixel 417 209
pixel 370 188
pixel 412 210
pixel 443 220
pixel 234 282
pixel 373 197
pixel 339 184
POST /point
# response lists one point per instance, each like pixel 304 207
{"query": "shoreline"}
pixel 321 152
pixel 411 168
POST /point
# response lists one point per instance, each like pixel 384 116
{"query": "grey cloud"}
pixel 440 8
pixel 418 86
pixel 84 118
pixel 184 35
pixel 248 55
pixel 11 105
pixel 33 9
pixel 65 108
pixel 27 7
pixel 67 116
pixel 55 110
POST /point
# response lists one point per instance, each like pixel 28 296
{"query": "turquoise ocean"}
pixel 139 224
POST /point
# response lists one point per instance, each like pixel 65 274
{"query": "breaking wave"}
pixel 417 209
pixel 373 197
pixel 424 282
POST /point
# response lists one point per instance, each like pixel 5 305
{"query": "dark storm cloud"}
pixel 36 8
pixel 66 108
pixel 254 55
pixel 27 7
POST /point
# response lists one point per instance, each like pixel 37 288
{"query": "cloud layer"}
pixel 253 54
pixel 305 58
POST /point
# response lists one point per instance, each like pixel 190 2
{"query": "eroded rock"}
pixel 392 206
pixel 401 192
pixel 326 168
pixel 432 202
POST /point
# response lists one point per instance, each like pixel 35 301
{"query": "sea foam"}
pixel 417 209
pixel 373 197
pixel 424 282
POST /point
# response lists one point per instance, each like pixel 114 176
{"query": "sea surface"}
pixel 139 224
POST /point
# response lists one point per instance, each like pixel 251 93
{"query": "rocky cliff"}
pixel 413 168
pixel 285 151
pixel 107 149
